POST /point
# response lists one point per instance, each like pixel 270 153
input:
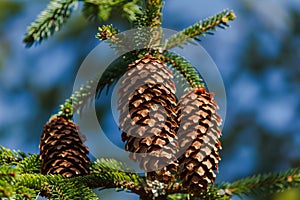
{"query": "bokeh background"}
pixel 258 58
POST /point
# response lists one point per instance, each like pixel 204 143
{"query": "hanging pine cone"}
pixel 148 119
pixel 198 139
pixel 61 149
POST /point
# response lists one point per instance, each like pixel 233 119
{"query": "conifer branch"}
pixel 186 69
pixel 148 35
pixel 107 32
pixel 78 99
pixel 72 190
pixel 107 173
pixel 9 188
pixel 8 156
pixel 131 10
pixel 49 21
pixel 102 9
pixel 177 192
pixel 152 16
pixel 54 186
pixel 265 184
pixel 199 29
pixel 110 170
pixel 30 164
pixel 18 182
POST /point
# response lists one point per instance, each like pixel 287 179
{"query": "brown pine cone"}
pixel 61 149
pixel 147 105
pixel 198 139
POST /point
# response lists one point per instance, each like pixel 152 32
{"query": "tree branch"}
pixel 49 21
pixel 199 29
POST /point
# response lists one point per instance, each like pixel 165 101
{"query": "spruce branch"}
pixel 78 99
pixel 265 184
pixel 8 156
pixel 55 186
pixel 199 29
pixel 186 69
pixel 102 9
pixel 108 164
pixel 49 21
pixel 18 183
pixel 30 164
pixel 22 192
pixel 151 16
pixel 107 32
pixel 149 34
pixel 107 173
pixel 115 170
pixel 9 188
pixel 72 190
pixel 131 10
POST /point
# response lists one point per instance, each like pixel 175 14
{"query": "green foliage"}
pixel 131 10
pixel 20 179
pixel 184 68
pixel 151 15
pixel 78 99
pixel 264 185
pixel 71 190
pixel 107 32
pixel 113 170
pixel 199 29
pixel 10 157
pixel 108 164
pixel 30 164
pixel 9 188
pixel 14 163
pixel 102 9
pixel 49 21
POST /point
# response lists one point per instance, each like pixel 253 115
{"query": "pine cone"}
pixel 61 149
pixel 198 139
pixel 148 119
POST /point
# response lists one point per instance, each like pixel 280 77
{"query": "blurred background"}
pixel 258 58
